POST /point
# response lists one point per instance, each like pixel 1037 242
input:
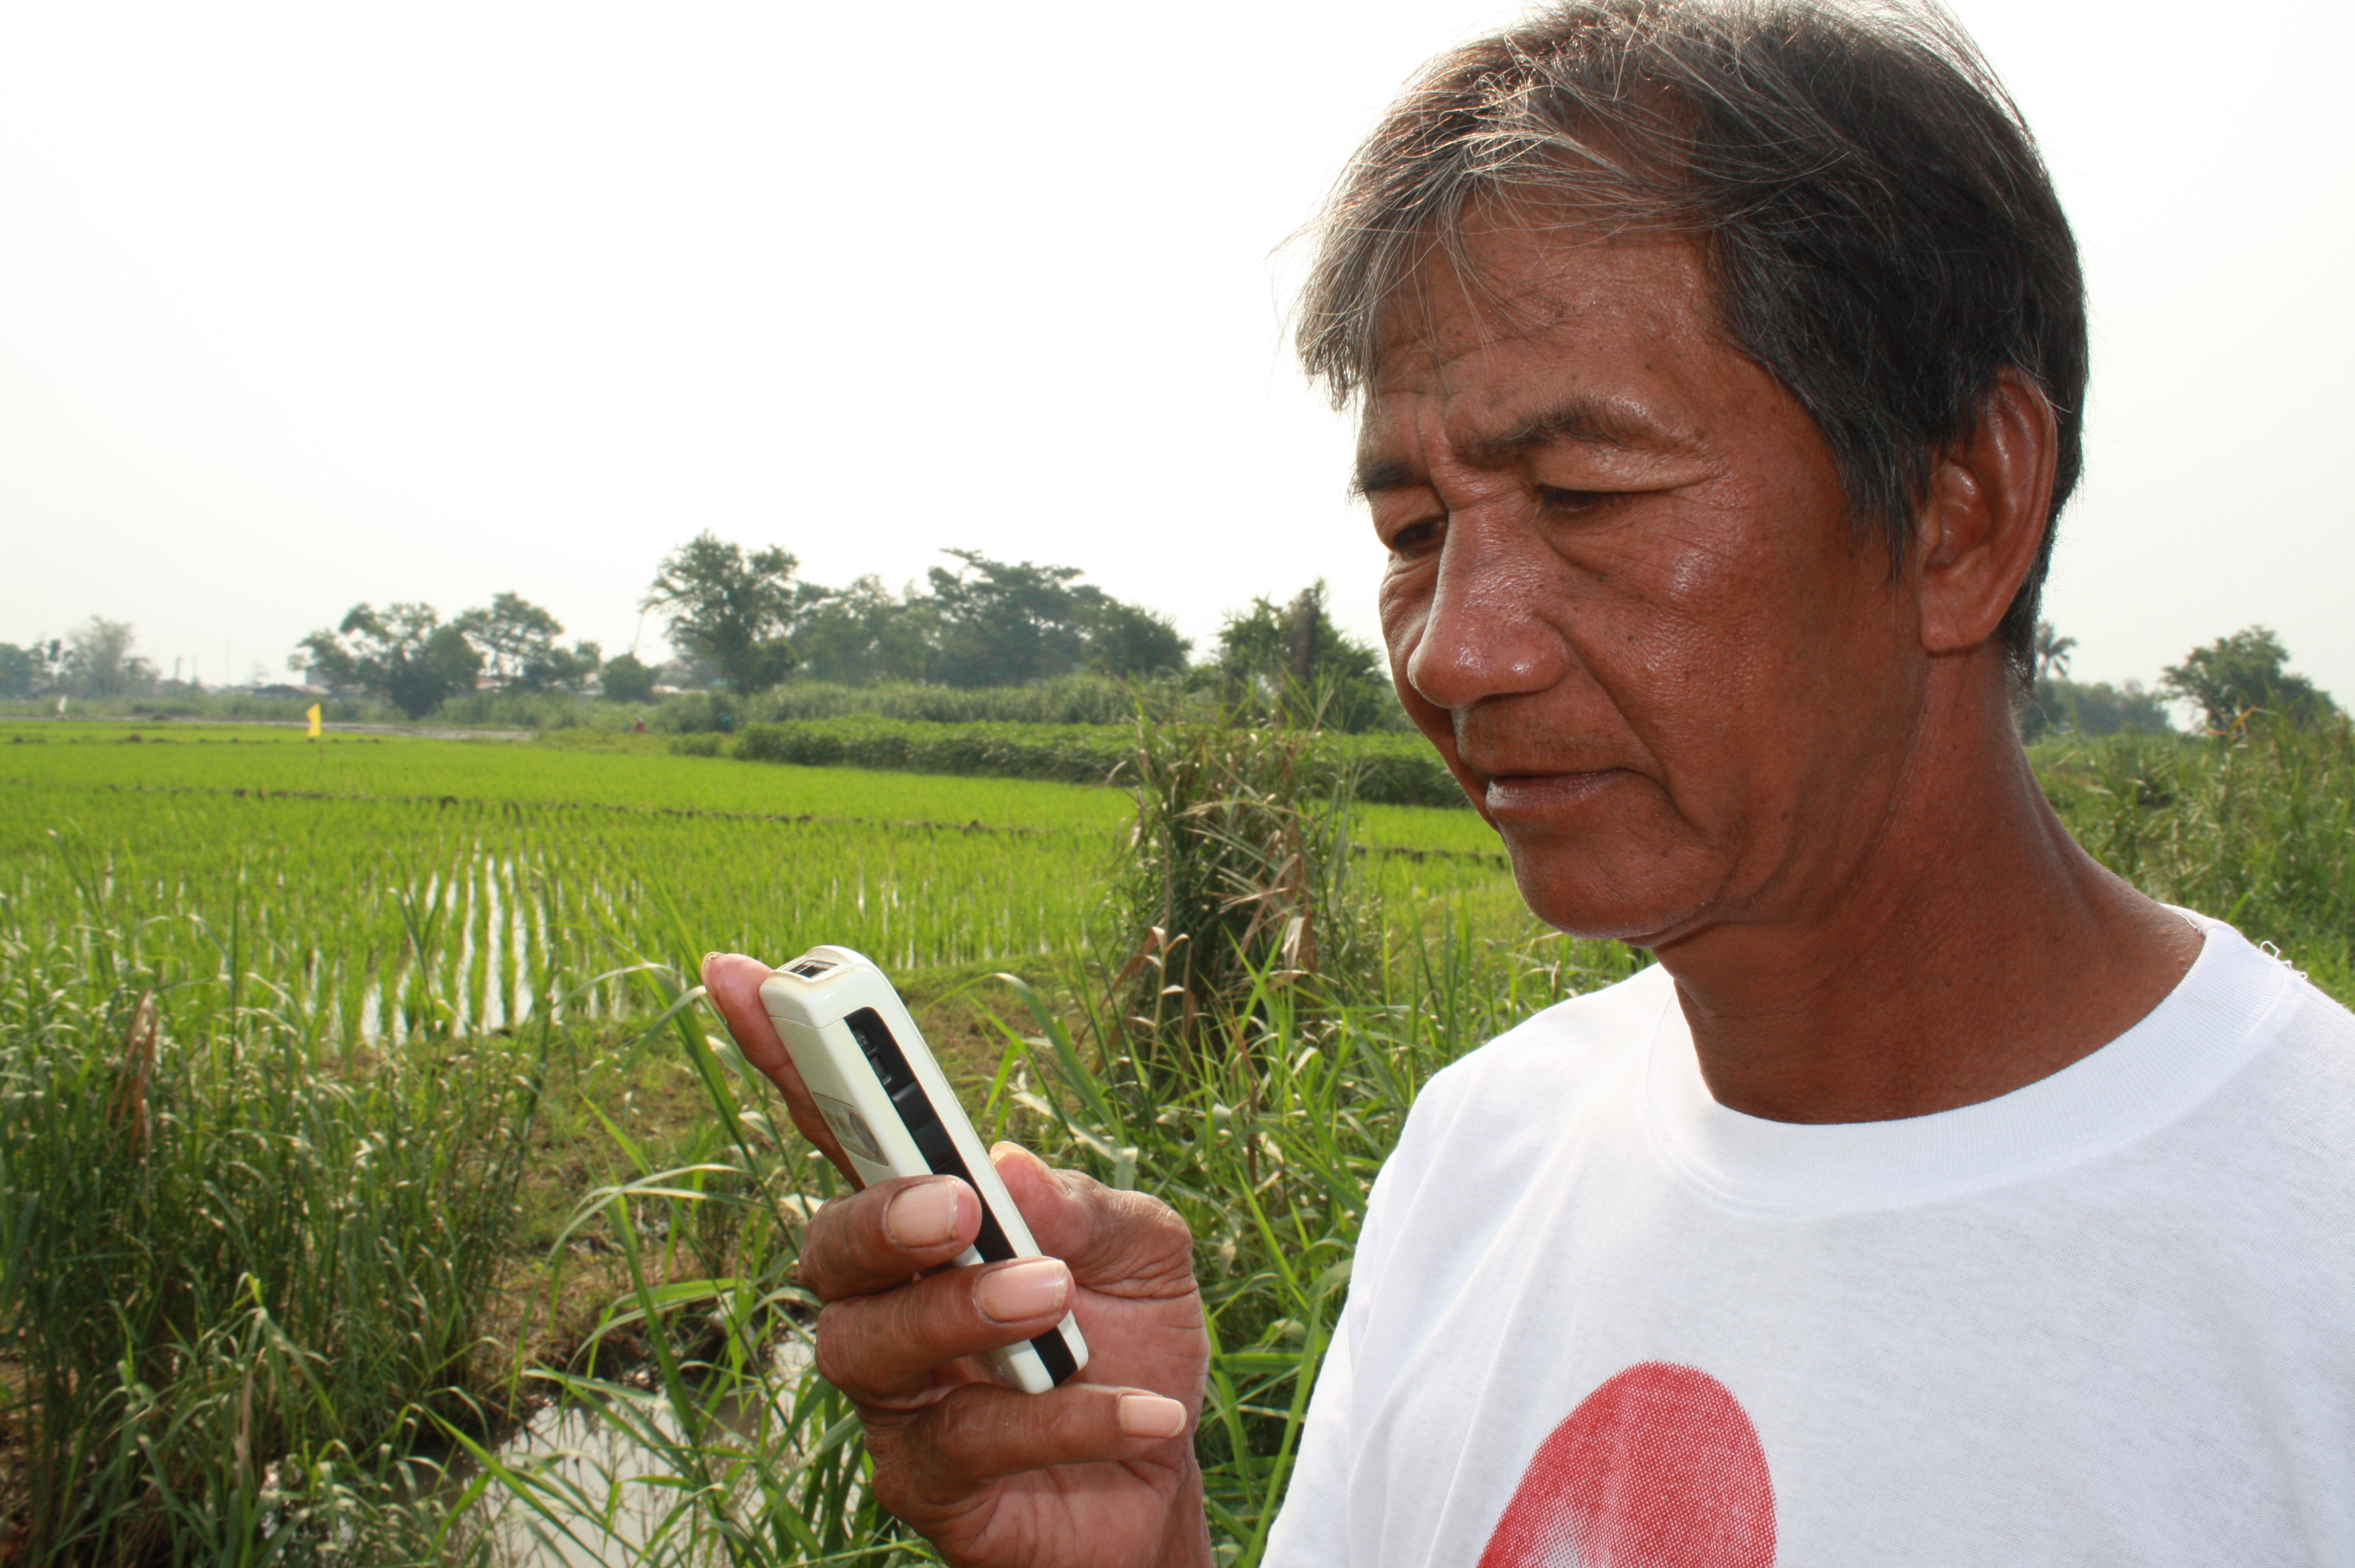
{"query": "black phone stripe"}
pixel 924 1123
pixel 1055 1355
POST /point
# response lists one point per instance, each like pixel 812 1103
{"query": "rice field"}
pixel 419 886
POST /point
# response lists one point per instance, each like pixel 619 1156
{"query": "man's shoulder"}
pixel 2301 1082
pixel 1572 1045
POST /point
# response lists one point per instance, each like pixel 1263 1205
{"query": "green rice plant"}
pixel 240 1270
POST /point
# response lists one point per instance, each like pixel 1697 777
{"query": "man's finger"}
pixel 887 1235
pixel 982 1432
pixel 1124 1244
pixel 886 1349
pixel 733 981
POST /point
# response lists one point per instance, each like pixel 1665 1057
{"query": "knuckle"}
pixel 1157 1243
pixel 1164 1223
pixel 834 1346
pixel 822 1245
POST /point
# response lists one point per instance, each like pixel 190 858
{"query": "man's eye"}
pixel 1414 537
pixel 1555 499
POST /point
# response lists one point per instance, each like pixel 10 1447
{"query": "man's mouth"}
pixel 1532 796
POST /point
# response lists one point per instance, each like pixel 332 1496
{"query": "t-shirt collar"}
pixel 2217 1018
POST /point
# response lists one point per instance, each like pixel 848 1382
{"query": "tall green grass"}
pixel 1269 1151
pixel 2256 829
pixel 242 1267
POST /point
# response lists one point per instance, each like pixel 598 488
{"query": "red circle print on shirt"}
pixel 1659 1467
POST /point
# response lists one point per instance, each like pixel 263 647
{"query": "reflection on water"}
pixel 604 1487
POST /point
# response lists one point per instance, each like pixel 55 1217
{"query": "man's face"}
pixel 1624 599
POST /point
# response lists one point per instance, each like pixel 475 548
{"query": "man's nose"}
pixel 1487 632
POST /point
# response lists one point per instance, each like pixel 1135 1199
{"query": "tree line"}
pixel 93 660
pixel 2229 682
pixel 744 621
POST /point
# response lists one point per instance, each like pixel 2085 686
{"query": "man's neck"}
pixel 1977 949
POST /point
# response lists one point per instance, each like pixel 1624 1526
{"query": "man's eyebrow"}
pixel 1378 475
pixel 1581 423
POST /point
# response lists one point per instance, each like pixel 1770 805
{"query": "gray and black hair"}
pixel 1880 231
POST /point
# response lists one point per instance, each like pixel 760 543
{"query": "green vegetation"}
pixel 402 655
pixel 729 609
pixel 354 1097
pixel 987 623
pixel 244 1264
pixel 2059 707
pixel 2258 830
pixel 1290 662
pixel 2245 674
pixel 1393 770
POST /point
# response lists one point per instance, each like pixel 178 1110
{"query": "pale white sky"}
pixel 303 305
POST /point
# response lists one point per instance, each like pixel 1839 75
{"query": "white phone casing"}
pixel 873 1077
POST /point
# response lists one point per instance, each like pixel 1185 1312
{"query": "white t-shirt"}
pixel 1598 1320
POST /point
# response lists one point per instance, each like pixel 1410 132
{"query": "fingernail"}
pixel 1024 1290
pixel 923 1216
pixel 999 1150
pixel 704 967
pixel 1150 1415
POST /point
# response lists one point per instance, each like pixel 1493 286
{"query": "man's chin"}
pixel 1606 909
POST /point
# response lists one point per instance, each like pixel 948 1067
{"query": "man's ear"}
pixel 1989 502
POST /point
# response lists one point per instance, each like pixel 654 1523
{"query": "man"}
pixel 1936 1199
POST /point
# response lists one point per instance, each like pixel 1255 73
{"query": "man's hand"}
pixel 1099 1473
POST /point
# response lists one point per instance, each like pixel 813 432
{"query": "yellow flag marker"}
pixel 313 715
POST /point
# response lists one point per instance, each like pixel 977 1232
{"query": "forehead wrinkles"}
pixel 1487 373
pixel 1512 283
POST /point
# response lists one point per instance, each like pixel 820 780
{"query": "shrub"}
pixel 240 1273
pixel 1384 768
pixel 1236 880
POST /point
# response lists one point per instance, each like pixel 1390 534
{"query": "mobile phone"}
pixel 865 1064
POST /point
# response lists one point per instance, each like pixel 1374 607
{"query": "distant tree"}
pixel 1295 660
pixel 2243 675
pixel 403 653
pixel 2052 651
pixel 564 669
pixel 1006 622
pixel 730 608
pixel 862 634
pixel 1127 639
pixel 517 641
pixel 624 679
pixel 2066 706
pixel 99 661
pixel 31 669
pixel 985 623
